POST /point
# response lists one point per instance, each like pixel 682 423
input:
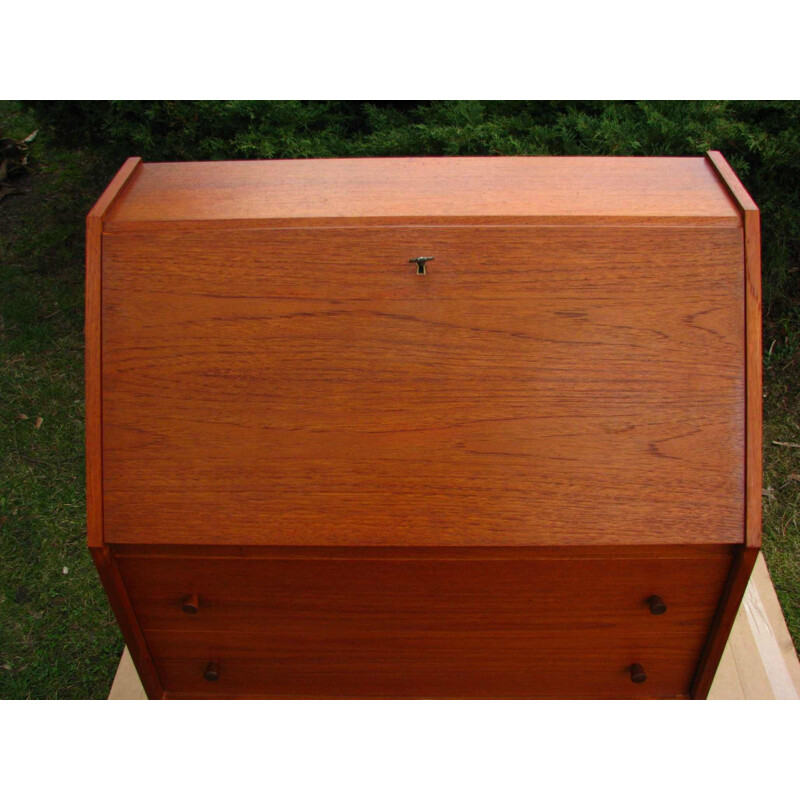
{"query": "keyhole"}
pixel 421 263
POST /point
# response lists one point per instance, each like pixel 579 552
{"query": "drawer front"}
pixel 419 627
pixel 539 386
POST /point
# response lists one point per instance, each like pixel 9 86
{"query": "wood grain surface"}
pixel 428 627
pixel 267 594
pixel 549 385
pixel 746 556
pixel 754 361
pixel 391 191
pixel 93 358
pixel 399 553
pixel 753 350
pixel 465 484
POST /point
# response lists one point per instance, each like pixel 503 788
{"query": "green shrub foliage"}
pixel 761 139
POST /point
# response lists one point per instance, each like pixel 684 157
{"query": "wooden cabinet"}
pixel 467 427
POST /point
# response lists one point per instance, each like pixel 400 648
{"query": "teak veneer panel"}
pixel 753 352
pixel 439 667
pixel 463 484
pixel 387 191
pixel 353 595
pixel 427 626
pixel 94 348
pixel 538 386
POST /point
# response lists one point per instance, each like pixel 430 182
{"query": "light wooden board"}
pixel 759 662
pixel 127 685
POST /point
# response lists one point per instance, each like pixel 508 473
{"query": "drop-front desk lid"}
pixel 569 369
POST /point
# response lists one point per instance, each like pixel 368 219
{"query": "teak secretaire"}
pixel 424 427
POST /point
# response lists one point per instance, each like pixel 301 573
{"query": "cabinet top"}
pixel 384 191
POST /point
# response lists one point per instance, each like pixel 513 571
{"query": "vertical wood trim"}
pixel 742 567
pixel 93 352
pixel 746 557
pixel 753 353
pixel 93 366
pixel 754 400
pixel 121 606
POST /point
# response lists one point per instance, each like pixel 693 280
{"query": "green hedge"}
pixel 761 139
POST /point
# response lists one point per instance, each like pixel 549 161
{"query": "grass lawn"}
pixel 58 637
pixel 781 500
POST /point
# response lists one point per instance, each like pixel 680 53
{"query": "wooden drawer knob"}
pixel 191 604
pixel 212 671
pixel 638 674
pixel 657 605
